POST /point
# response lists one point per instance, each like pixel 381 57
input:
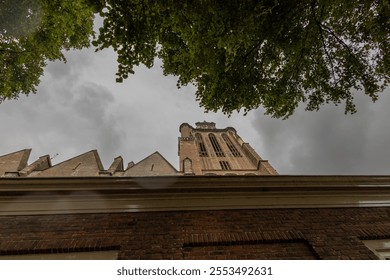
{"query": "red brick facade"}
pixel 222 234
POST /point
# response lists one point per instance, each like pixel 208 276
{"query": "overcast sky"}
pixel 79 107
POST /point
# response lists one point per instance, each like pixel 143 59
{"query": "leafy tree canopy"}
pixel 34 31
pixel 245 54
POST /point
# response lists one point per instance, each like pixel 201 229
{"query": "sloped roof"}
pixel 87 164
pixel 153 165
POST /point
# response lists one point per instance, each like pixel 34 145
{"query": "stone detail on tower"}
pixel 205 125
pixel 215 151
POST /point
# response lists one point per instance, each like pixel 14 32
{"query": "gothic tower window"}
pixel 231 146
pixel 216 146
pixel 225 165
pixel 201 146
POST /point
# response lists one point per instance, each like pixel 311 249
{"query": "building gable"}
pixel 153 165
pixel 87 164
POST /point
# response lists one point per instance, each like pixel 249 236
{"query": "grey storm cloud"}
pixel 330 142
pixel 68 116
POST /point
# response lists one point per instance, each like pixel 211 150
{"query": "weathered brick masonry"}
pixel 219 234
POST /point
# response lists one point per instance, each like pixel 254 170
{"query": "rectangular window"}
pixel 380 247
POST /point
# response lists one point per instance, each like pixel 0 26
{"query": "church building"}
pixel 223 202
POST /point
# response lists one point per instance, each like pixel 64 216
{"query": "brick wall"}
pixel 231 234
pixel 276 251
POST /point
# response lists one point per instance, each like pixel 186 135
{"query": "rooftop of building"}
pixel 89 164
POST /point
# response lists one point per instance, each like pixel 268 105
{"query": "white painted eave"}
pixel 37 196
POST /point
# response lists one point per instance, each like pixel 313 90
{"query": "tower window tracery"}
pixel 217 148
pixel 225 165
pixel 231 146
pixel 201 146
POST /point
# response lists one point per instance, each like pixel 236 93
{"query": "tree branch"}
pixel 318 23
pixel 330 31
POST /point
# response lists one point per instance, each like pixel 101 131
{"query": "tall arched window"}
pixel 216 146
pixel 187 166
pixel 231 146
pixel 201 146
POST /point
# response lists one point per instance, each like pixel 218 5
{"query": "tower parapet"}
pixel 205 125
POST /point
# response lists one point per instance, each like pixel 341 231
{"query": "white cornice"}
pixel 31 196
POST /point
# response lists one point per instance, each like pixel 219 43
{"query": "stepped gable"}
pixel 87 164
pixel 153 165
pixel 11 164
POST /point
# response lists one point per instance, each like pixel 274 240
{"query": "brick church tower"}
pixel 206 150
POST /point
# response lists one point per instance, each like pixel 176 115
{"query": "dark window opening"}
pixel 225 165
pixel 231 146
pixel 216 146
pixel 201 146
